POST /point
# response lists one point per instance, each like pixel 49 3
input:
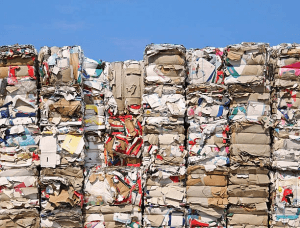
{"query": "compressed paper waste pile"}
pixel 250 122
pixel 113 187
pixel 164 134
pixel 19 137
pixel 95 86
pixel 184 138
pixel 124 143
pixel 284 60
pixel 113 197
pixel 62 144
pixel 207 138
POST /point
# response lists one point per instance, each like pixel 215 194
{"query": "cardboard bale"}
pixel 64 149
pixel 285 188
pixel 208 144
pixel 164 141
pixel 95 87
pixel 207 104
pixel 165 105
pixel 165 74
pixel 94 117
pixel 250 144
pixel 198 175
pixel 246 64
pixel 18 85
pixel 284 59
pixel 285 217
pixel 207 197
pixel 165 187
pixel 208 127
pixel 249 107
pixel 286 107
pixel 205 66
pixel 19 147
pixel 126 87
pixel 61 106
pixel 165 64
pixel 19 218
pixel 113 216
pixel 61 188
pixel 112 186
pixel 286 148
pixel 17 55
pixel 164 217
pixel 94 153
pixel 19 188
pixel 248 192
pixel 61 66
pixel 124 142
pixel 253 196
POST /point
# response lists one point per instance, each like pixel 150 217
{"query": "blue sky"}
pixel 117 30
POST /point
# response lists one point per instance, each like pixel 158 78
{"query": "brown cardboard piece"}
pixel 74 62
pixel 65 108
pixel 121 188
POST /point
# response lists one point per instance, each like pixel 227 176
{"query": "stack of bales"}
pixel 124 141
pixel 62 142
pixel 94 89
pixel 249 89
pixel 19 137
pixel 113 188
pixel 207 141
pixel 164 135
pixel 285 59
